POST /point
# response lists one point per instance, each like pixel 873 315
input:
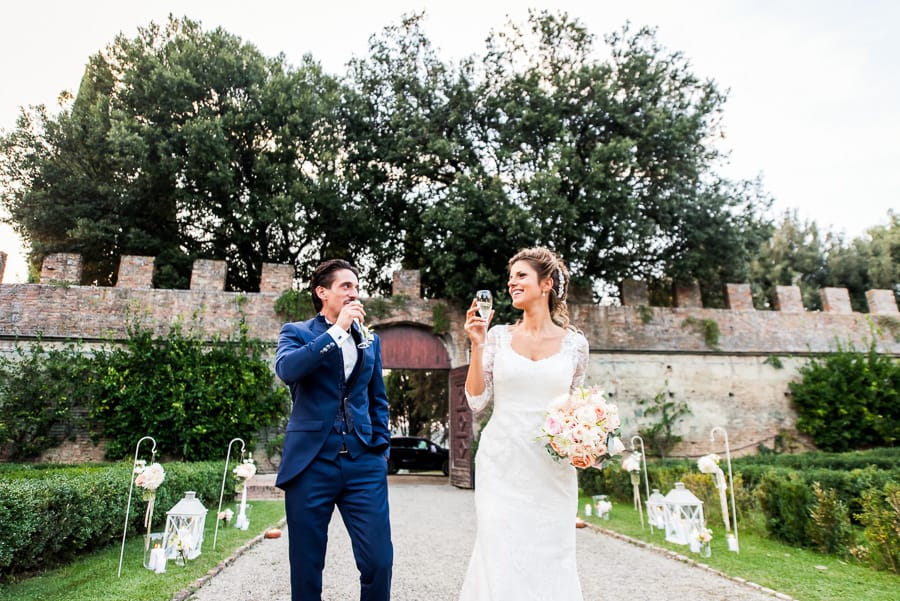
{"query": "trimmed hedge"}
pixel 780 486
pixel 49 516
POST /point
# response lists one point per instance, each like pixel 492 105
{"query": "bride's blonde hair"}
pixel 547 264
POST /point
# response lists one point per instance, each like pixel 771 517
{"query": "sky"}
pixel 813 87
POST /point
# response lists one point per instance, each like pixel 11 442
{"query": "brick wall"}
pixel 636 351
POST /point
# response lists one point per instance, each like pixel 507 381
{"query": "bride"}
pixel 524 500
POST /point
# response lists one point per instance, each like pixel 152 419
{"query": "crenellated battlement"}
pixel 60 308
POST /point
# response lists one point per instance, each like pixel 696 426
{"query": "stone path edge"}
pixel 199 582
pixel 685 559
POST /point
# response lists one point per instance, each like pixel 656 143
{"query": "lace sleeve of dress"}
pixel 479 402
pixel 581 353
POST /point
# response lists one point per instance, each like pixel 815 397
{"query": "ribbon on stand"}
pixel 225 477
pixel 128 505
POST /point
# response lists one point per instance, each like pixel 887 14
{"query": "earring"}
pixel 544 293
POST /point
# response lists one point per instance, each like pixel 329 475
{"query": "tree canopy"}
pixel 184 143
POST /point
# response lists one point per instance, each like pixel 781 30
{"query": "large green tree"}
pixel 611 162
pixel 184 143
pixel 868 262
pixel 799 254
pixel 793 256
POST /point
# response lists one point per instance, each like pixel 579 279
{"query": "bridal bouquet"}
pixel 582 429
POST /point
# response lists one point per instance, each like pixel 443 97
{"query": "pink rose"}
pixel 582 461
pixel 553 426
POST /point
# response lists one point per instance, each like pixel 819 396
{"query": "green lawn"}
pixel 800 573
pixel 94 576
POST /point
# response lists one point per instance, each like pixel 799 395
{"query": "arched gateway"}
pixel 415 347
pixel 409 341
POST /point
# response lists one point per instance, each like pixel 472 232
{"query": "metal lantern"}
pixel 184 528
pixel 684 515
pixel 656 509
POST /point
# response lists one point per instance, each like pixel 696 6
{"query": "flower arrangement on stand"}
pixel 632 465
pixel 149 478
pixel 244 471
pixel 582 428
pixel 709 464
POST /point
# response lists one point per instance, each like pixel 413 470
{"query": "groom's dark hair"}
pixel 324 276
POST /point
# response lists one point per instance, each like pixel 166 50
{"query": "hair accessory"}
pixel 562 283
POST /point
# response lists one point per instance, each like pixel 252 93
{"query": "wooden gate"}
pixel 461 465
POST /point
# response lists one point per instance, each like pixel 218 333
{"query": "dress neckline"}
pixel 508 340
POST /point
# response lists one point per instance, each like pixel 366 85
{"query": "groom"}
pixel 337 440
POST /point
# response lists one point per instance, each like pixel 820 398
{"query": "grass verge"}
pixel 93 576
pixel 801 573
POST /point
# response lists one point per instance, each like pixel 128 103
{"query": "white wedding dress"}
pixel 525 501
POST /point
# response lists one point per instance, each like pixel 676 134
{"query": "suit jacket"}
pixel 310 362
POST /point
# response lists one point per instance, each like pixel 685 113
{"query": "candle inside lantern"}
pixel 695 541
pixel 157 559
pixel 732 542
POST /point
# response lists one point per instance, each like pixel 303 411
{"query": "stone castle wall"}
pixel 637 351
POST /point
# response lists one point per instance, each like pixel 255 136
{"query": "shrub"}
pixel 51 515
pixel 786 499
pixel 881 517
pixel 829 525
pixel 849 400
pixel 295 305
pixel 190 399
pixel 191 396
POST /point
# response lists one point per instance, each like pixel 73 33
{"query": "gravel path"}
pixel 433 533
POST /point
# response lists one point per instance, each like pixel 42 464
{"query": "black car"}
pixel 412 453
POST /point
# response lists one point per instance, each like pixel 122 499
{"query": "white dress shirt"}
pixel 348 346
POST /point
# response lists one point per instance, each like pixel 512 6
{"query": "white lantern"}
pixel 684 515
pixel 184 528
pixel 656 509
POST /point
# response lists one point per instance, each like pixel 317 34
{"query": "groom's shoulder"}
pixel 299 326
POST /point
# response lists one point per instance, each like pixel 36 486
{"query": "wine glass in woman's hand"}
pixel 485 301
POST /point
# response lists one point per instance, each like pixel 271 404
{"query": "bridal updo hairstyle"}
pixel 547 264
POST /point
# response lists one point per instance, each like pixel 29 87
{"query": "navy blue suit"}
pixel 335 453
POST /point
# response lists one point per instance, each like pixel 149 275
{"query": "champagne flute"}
pixel 364 332
pixel 484 300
